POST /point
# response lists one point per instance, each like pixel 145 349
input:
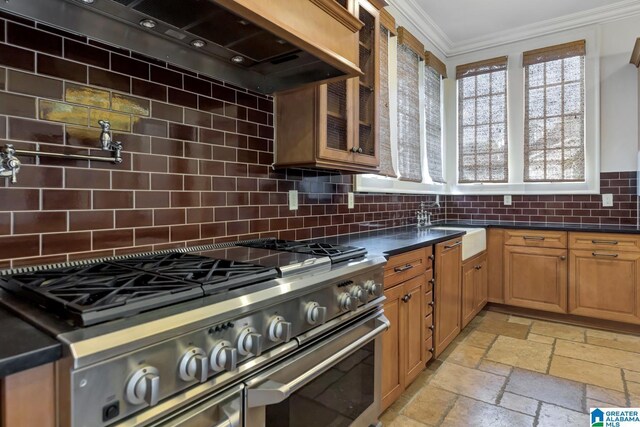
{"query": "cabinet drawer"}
pixel 428 300
pixel 405 266
pixel 604 241
pixel 536 238
pixel 428 321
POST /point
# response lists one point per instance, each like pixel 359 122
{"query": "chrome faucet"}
pixel 108 144
pixel 423 216
pixel 9 163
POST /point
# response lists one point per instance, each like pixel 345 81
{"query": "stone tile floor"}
pixel 511 371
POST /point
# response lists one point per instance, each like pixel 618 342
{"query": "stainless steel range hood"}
pixel 227 42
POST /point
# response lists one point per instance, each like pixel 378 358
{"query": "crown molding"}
pixel 422 24
pixel 427 27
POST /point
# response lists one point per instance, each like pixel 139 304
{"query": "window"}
pixel 482 126
pixel 554 148
pixel 410 52
pixel 434 71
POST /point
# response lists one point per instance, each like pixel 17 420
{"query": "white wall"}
pixel 619 112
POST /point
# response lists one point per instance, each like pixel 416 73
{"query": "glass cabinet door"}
pixel 368 85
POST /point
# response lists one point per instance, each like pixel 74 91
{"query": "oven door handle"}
pixel 272 392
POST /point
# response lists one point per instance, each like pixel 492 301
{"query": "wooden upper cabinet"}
pixel 536 278
pixel 335 125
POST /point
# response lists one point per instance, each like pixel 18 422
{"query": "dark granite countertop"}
pixel 557 226
pixel 392 241
pixel 22 346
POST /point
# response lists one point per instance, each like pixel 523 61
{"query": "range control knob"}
pixel 194 365
pixel 143 386
pixel 347 302
pixel 279 329
pixel 223 356
pixel 249 342
pixel 373 288
pixel 359 294
pixel 315 314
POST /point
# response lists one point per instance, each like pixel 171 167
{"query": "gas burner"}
pixel 95 293
pixel 337 253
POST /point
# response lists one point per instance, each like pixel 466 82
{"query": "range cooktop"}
pixel 95 293
pixel 337 253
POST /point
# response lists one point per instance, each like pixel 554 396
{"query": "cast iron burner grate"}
pixel 91 294
pixel 337 253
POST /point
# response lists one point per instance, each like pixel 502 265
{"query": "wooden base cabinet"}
pixel 536 278
pixel 605 284
pixel 404 344
pixel 28 398
pixel 474 287
pixel 448 272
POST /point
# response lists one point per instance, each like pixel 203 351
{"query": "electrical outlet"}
pixel 607 200
pixel 351 203
pixel 293 200
pixel 507 200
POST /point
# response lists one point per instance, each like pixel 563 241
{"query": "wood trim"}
pixel 482 67
pixel 635 55
pixel 379 4
pixel 569 319
pixel 28 398
pixel 434 62
pixel 552 53
pixel 388 21
pixel 408 39
pixel 340 14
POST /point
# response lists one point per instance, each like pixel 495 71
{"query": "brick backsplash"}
pixel 579 209
pixel 197 156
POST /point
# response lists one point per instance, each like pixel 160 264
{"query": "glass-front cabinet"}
pixel 335 125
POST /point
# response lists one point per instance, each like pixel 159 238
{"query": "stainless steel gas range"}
pixel 265 333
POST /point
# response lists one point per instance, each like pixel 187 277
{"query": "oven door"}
pixel 333 382
pixel 220 410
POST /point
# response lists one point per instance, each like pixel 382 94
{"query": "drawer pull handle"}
pixel 454 245
pixel 604 242
pixel 605 255
pixel 403 268
pixel 533 237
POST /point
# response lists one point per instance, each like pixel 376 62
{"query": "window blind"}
pixel 433 123
pixel 482 127
pixel 386 161
pixel 554 147
pixel 410 52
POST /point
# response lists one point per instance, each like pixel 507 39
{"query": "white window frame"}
pixel 515 119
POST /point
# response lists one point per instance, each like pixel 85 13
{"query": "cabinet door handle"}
pixel 357 149
pixel 533 237
pixel 454 245
pixel 562 257
pixel 432 257
pixel 604 242
pixel 431 303
pixel 432 281
pixel 432 327
pixel 403 268
pixel 406 298
pixel 604 255
pixel 478 267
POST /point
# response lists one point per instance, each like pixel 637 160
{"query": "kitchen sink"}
pixel 474 242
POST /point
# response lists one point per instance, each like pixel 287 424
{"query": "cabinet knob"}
pixel 562 258
pixel 406 298
pixel 432 327
pixel 432 257
pixel 431 303
pixel 357 149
